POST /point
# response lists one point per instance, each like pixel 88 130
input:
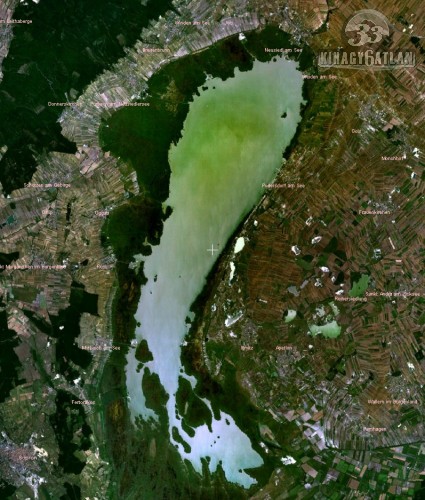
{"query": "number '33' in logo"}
pixel 366 34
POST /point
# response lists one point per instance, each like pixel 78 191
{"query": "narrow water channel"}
pixel 232 142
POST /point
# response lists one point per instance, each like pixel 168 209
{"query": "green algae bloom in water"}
pixel 330 330
pixel 291 315
pixel 232 142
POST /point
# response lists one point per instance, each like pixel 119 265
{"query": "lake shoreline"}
pixel 125 304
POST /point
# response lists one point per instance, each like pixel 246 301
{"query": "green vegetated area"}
pixel 146 465
pixel 156 397
pixel 305 262
pixel 7 258
pixel 143 353
pixel 141 136
pixel 52 59
pixel 229 397
pixel 193 410
pixel 68 420
pixel 65 329
pixel 9 361
pixel 131 226
pixel 6 489
pixel 359 286
pixel 72 432
pixel 145 462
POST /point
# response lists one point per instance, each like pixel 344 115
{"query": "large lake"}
pixel 232 142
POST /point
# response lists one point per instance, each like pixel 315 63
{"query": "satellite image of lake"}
pixel 211 264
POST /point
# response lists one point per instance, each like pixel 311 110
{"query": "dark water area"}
pixel 53 59
pixel 71 430
pixel 9 361
pixel 146 465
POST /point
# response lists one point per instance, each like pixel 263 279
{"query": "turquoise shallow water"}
pixel 232 142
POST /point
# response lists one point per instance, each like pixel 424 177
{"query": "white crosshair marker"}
pixel 212 249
